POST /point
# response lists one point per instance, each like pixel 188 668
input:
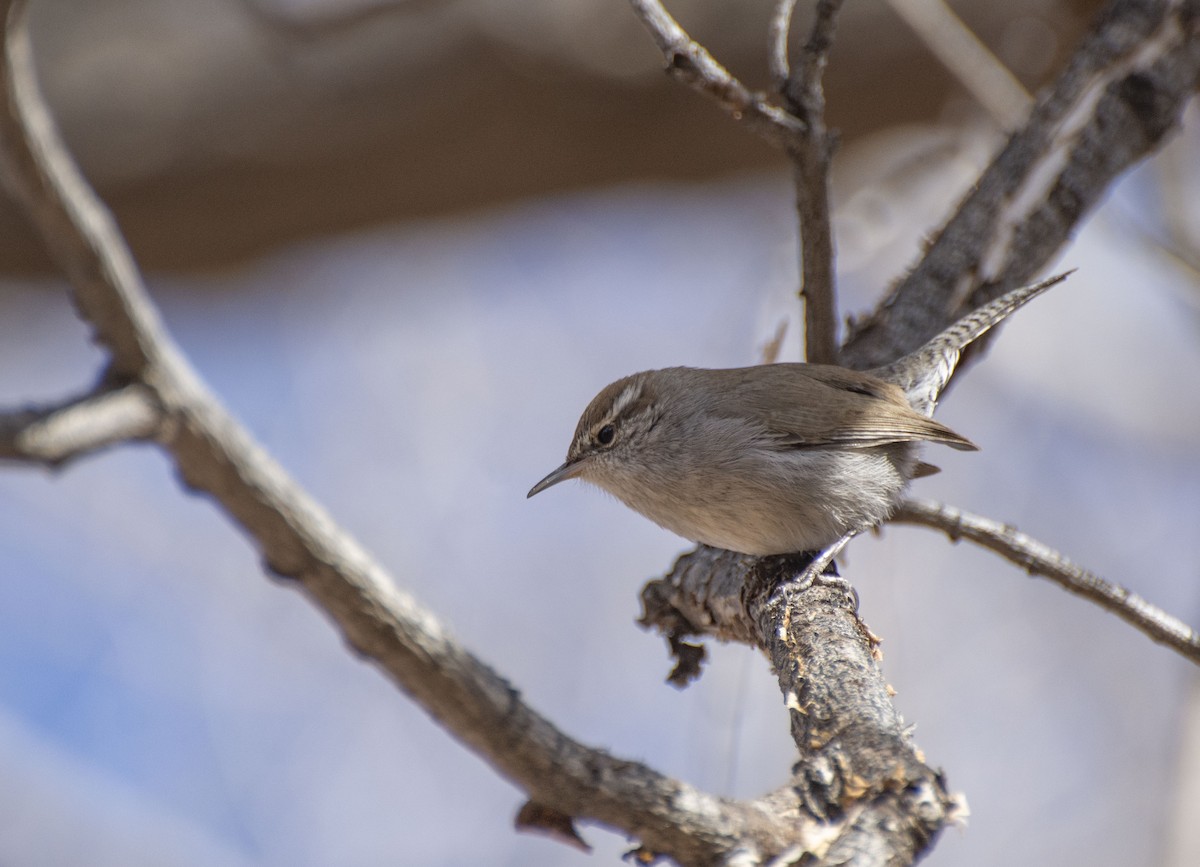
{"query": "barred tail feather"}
pixel 924 373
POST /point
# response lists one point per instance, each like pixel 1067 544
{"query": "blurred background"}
pixel 406 242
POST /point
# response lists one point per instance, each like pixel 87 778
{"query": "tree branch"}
pixel 1121 93
pixel 811 152
pixel 77 229
pixel 54 435
pixel 1037 558
pixel 800 131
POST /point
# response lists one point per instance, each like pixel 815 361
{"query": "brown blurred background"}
pixel 217 130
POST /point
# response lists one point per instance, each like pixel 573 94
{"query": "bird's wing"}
pixel 813 405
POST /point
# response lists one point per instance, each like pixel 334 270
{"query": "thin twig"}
pixel 978 70
pixel 804 91
pixel 54 435
pixel 780 32
pixel 1039 559
pixel 774 346
pixel 689 62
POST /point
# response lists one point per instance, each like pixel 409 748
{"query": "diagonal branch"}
pixel 1040 559
pixel 1123 90
pixel 77 229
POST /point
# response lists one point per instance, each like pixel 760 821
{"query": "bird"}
pixel 775 458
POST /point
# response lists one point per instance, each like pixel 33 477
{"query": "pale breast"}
pixel 771 501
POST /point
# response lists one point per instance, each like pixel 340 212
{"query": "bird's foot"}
pixel 822 569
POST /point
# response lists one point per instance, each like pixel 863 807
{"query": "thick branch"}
pixel 853 746
pixel 1122 91
pixel 1040 559
pixel 54 435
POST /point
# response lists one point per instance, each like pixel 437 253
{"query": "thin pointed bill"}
pixel 568 470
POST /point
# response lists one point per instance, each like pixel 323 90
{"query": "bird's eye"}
pixel 605 435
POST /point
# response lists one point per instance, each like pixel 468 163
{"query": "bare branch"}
pixel 79 231
pixel 811 152
pixel 1129 81
pixel 1121 93
pixel 694 66
pixel 978 70
pixel 780 32
pixel 54 435
pixel 1039 559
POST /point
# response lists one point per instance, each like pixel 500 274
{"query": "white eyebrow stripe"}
pixel 631 393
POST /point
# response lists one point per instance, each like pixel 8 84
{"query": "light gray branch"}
pixel 54 435
pixel 780 32
pixel 1037 558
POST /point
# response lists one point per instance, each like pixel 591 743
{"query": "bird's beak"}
pixel 568 470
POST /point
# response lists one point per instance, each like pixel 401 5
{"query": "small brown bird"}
pixel 778 458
